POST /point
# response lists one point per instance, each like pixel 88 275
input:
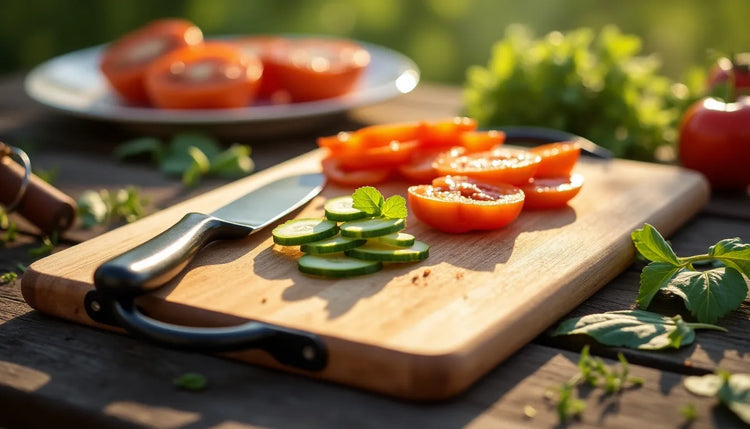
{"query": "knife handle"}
pixel 155 262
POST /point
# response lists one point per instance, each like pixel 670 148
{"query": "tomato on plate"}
pixel 338 175
pixel 458 204
pixel 263 46
pixel 124 62
pixel 558 159
pixel 207 76
pixel 552 192
pixel 318 68
pixel 498 166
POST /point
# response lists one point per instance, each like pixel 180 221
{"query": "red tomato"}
pixel 335 174
pixel 480 141
pixel 211 75
pixel 558 159
pixel 445 133
pixel 459 204
pixel 420 167
pixel 552 192
pixel 715 140
pixel 379 135
pixel 125 61
pixel 498 166
pixel 390 155
pixel 727 70
pixel 263 47
pixel 317 68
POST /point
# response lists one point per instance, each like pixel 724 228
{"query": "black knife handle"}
pixel 150 265
pixel 289 346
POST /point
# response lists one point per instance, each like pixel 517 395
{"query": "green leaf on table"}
pixel 635 329
pixel 190 381
pixel 710 294
pixel 8 277
pixel 92 209
pixel 395 207
pixel 142 146
pixel 733 253
pixel 654 277
pixel 178 157
pixel 732 390
pixel 199 167
pixel 369 200
pixel 652 245
pixel 233 162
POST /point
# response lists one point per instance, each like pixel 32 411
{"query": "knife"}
pixel 153 263
pixel 526 134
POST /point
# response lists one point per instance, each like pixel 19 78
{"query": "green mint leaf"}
pixel 369 200
pixel 8 277
pixel 652 245
pixel 654 277
pixel 635 329
pixel 179 157
pixel 233 162
pixel 395 207
pixel 198 168
pixel 733 253
pixel 143 146
pixel 689 412
pixel 190 381
pixel 735 394
pixel 710 294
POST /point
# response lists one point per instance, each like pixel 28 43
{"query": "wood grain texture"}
pixel 427 330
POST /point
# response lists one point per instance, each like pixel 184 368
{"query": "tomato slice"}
pixel 445 133
pixel 551 193
pixel 480 141
pixel 558 159
pixel 124 62
pixel 380 135
pixel 498 166
pixel 390 156
pixel 420 167
pixel 336 174
pixel 457 204
pixel 318 68
pixel 211 75
pixel 263 47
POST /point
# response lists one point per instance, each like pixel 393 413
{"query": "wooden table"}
pixel 57 373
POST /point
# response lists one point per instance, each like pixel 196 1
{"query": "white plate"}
pixel 73 84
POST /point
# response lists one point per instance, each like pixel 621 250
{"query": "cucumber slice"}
pixel 301 231
pixel 372 227
pixel 374 251
pixel 340 209
pixel 400 239
pixel 336 266
pixel 332 245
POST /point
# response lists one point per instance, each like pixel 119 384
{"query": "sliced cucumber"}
pixel 400 239
pixel 301 231
pixel 374 251
pixel 372 227
pixel 336 266
pixel 332 245
pixel 342 210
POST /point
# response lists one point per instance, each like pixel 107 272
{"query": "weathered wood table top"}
pixel 56 373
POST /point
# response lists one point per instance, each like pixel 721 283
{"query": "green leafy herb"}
pixel 47 246
pixel 103 207
pixel 689 412
pixel 143 146
pixel 8 277
pixel 190 381
pixel 708 294
pixel 596 86
pixel 732 390
pixel 371 201
pixel 636 329
pixel 593 372
pixel 10 228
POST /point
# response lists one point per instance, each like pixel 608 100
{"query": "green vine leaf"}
pixel 710 294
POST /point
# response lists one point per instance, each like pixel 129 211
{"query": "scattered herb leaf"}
pixel 635 329
pixel 732 390
pixel 708 294
pixel 190 381
pixel 8 277
pixel 689 412
pixel 369 200
pixel 103 207
pixel 395 207
pixel 143 146
pixel 46 248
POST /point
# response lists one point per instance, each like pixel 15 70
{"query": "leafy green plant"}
pixel 371 201
pixel 190 156
pixel 709 294
pixel 592 85
pixel 190 381
pixel 8 277
pixel 103 207
pixel 732 390
pixel 636 329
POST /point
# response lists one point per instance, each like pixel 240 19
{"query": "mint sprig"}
pixel 371 201
pixel 709 294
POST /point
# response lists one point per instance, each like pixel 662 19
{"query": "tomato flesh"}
pixel 480 141
pixel 263 48
pixel 498 166
pixel 460 204
pixel 338 175
pixel 558 159
pixel 211 75
pixel 551 193
pixel 125 61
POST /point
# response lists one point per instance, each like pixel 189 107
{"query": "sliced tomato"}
pixel 445 133
pixel 390 156
pixel 263 46
pixel 498 166
pixel 380 135
pixel 480 141
pixel 124 62
pixel 318 68
pixel 459 204
pixel 420 167
pixel 558 159
pixel 551 193
pixel 336 174
pixel 211 75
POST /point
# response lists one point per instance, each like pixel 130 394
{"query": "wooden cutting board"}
pixel 422 330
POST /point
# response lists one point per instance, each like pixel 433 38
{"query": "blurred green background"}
pixel 442 36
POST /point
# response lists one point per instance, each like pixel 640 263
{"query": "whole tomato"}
pixel 715 140
pixel 726 70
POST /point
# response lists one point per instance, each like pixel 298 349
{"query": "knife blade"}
pixel 153 263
